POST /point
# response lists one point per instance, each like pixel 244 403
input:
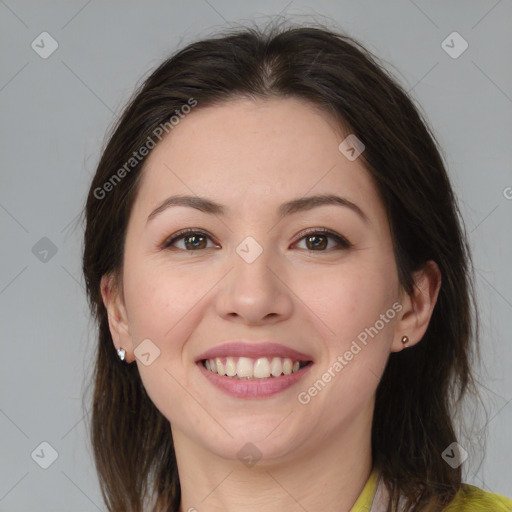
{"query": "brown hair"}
pixel 421 386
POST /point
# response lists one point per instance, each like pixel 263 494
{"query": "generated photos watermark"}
pixel 304 397
pixel 143 151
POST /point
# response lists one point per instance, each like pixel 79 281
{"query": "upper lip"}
pixel 253 351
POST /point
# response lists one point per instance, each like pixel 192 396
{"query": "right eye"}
pixel 193 240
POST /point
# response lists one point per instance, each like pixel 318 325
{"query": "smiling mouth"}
pixel 244 368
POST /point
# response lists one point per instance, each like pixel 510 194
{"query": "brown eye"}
pixel 318 240
pixel 195 241
pixel 192 241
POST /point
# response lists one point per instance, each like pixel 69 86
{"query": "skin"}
pixel 252 156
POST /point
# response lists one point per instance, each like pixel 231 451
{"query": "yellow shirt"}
pixel 468 499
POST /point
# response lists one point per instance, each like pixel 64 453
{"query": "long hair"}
pixel 422 386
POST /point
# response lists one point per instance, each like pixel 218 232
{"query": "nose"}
pixel 255 293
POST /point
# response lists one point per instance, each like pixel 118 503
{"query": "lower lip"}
pixel 256 388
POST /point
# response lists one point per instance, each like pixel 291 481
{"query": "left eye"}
pixel 317 240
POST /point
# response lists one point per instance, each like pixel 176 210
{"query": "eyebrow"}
pixel 209 206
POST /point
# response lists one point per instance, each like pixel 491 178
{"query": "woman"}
pixel 275 260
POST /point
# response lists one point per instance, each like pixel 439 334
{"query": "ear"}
pixel 113 299
pixel 417 307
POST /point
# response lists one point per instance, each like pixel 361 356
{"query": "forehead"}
pixel 253 153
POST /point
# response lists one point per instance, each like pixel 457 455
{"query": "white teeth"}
pixel 230 367
pixel 287 366
pixel 220 366
pixel 262 368
pixel 244 367
pixel 247 368
pixel 276 368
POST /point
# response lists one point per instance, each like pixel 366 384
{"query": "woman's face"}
pixel 253 275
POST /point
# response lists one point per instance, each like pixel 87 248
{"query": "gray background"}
pixel 55 114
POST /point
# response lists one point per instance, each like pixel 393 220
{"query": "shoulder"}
pixel 473 499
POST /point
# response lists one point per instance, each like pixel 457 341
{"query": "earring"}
pixel 121 354
pixel 405 339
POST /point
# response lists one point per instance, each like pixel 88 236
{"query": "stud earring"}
pixel 405 339
pixel 121 354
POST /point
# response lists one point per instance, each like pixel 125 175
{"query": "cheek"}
pixel 364 319
pixel 163 307
pixel 148 302
pixel 159 297
pixel 356 351
pixel 349 297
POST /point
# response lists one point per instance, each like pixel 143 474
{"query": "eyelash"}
pixel 343 242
